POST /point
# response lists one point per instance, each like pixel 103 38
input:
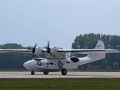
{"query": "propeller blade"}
pixel 33 49
pixel 48 44
pixel 35 45
pixel 48 48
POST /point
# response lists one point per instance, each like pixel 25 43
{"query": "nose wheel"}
pixel 64 71
pixel 32 73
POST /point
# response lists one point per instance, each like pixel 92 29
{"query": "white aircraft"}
pixel 55 61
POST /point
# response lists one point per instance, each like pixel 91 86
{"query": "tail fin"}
pixel 100 45
pixel 97 56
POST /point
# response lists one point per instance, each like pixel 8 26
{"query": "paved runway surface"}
pixel 59 75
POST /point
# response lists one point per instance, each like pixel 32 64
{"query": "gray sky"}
pixel 28 22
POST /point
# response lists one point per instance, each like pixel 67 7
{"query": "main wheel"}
pixel 45 73
pixel 64 71
pixel 32 73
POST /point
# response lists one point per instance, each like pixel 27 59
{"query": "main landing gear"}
pixel 45 73
pixel 64 71
pixel 32 73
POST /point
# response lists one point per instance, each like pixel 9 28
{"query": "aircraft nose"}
pixel 28 63
pixel 25 64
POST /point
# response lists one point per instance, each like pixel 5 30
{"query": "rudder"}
pixel 100 45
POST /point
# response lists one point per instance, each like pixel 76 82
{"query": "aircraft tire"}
pixel 64 71
pixel 32 73
pixel 45 73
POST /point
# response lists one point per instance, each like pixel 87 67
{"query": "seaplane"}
pixel 55 60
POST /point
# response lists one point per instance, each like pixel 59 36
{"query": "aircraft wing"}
pixel 99 48
pixel 15 50
pixel 87 51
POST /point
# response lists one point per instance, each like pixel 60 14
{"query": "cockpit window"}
pixel 38 59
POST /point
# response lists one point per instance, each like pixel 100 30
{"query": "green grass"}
pixel 61 84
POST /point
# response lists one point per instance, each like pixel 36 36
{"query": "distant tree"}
pixel 104 63
pixel 115 65
pixel 107 67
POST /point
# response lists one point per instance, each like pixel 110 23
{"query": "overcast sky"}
pixel 27 22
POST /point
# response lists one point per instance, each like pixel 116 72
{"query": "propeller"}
pixel 33 49
pixel 48 48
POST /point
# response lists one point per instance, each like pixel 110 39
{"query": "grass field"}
pixel 61 84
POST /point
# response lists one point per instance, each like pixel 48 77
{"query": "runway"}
pixel 59 75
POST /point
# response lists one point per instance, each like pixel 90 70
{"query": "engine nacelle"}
pixel 53 51
pixel 39 51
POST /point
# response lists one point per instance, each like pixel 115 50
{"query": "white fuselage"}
pixel 54 65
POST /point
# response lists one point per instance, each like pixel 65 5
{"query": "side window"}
pixel 51 63
pixel 47 63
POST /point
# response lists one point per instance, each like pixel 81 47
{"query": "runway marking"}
pixel 59 75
